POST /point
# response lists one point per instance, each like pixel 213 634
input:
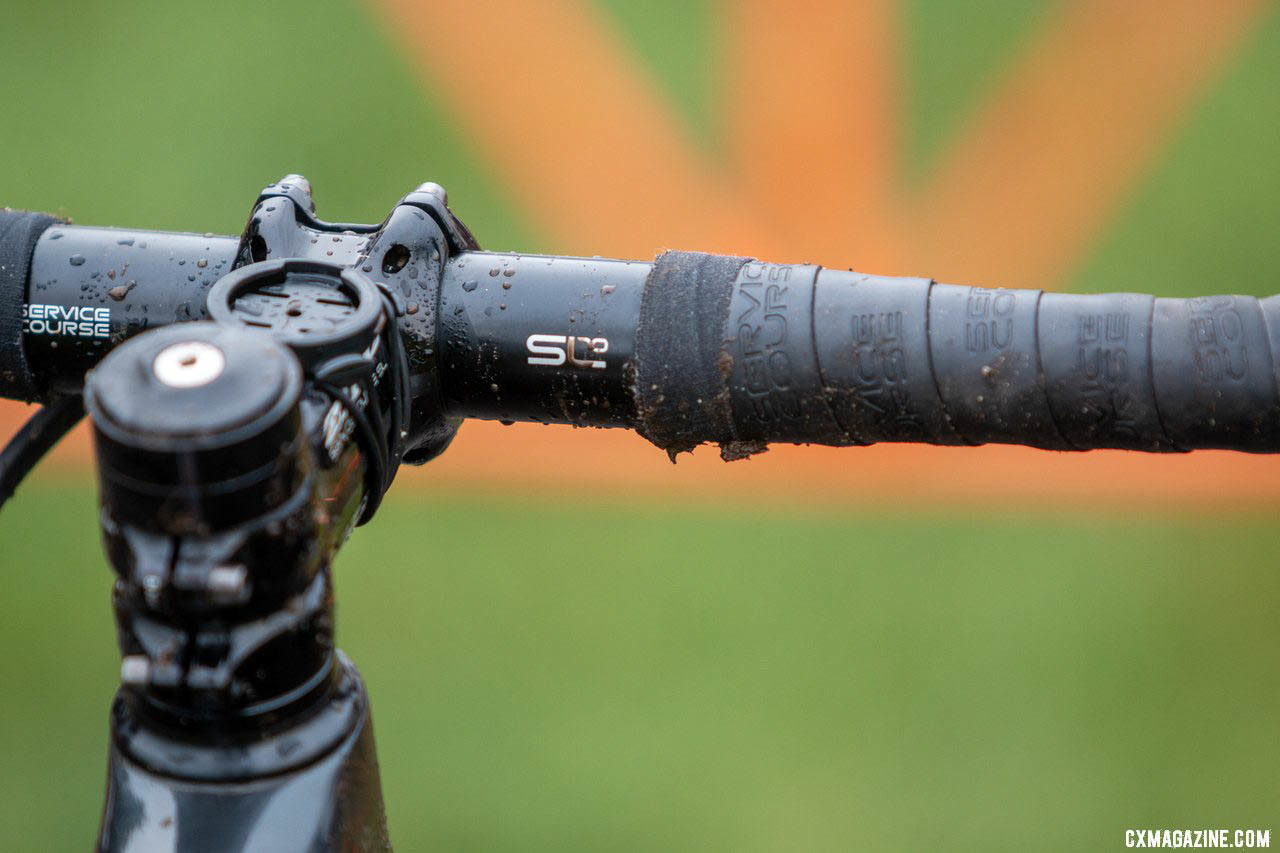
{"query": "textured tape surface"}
pixel 828 357
pixel 19 232
pixel 775 385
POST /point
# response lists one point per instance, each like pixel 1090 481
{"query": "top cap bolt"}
pixel 432 188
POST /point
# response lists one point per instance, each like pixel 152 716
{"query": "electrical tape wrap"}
pixel 811 355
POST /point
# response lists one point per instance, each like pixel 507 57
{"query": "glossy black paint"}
pixel 224 502
pixel 465 315
pixel 342 329
pixel 174 461
pixel 312 786
pixel 491 306
pixel 133 280
pixel 220 656
pixel 101 286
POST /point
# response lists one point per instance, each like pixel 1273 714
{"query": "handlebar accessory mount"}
pixel 343 330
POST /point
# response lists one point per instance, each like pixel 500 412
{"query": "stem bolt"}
pixel 227 582
pixel 135 670
pixel 432 188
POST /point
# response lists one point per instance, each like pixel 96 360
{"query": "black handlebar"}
pixel 702 348
pixel 697 348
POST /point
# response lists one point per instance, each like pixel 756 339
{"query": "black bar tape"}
pixel 1096 354
pixel 872 336
pixel 827 357
pixel 1213 364
pixel 19 231
pixel 680 393
pixel 983 348
pixel 777 392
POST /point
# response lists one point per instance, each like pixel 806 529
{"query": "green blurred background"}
pixel 712 678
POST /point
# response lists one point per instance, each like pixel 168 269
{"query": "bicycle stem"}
pixel 235 455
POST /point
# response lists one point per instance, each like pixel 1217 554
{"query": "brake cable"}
pixel 37 437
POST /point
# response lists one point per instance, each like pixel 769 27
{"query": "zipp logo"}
pixel 555 350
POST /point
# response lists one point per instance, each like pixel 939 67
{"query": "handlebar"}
pixel 700 348
pixel 695 348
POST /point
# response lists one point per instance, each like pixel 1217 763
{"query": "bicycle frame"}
pixel 252 399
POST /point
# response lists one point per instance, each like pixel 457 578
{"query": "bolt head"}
pixel 227 582
pixel 135 670
pixel 432 188
pixel 189 364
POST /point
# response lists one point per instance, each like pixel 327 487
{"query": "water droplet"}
pixel 77 260
pixel 120 291
pixel 202 263
pixel 509 271
pixel 470 285
pixel 494 272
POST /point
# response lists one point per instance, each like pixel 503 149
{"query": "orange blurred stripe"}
pixel 815 123
pixel 1044 165
pixel 573 126
pixel 586 464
